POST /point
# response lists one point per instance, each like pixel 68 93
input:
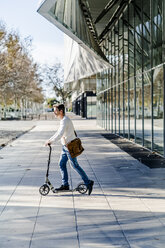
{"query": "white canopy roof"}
pixel 79 63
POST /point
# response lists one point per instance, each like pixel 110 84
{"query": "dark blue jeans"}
pixel 65 155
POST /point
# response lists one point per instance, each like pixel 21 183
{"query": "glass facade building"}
pixel 131 94
pixel 128 38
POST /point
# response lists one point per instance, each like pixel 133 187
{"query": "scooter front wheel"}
pixel 44 189
pixel 82 188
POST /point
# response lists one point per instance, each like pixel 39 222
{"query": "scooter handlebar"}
pixel 50 146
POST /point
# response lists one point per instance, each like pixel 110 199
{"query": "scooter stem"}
pixel 50 151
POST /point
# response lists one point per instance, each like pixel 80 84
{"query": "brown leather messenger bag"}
pixel 75 147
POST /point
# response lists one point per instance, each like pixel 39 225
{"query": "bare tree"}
pixel 54 76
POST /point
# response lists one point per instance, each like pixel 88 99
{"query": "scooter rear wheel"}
pixel 82 188
pixel 44 189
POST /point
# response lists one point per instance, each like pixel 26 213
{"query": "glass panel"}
pixel 111 109
pixel 113 58
pixel 108 110
pixel 132 109
pixel 157 32
pixel 91 107
pixel 138 39
pixel 109 48
pixel 116 54
pixel 158 109
pixel 125 22
pixel 117 109
pixel 121 109
pixel 131 40
pixel 102 109
pixel 147 111
pixel 102 81
pixel 99 110
pixel 98 82
pixel 146 35
pixel 105 110
pixel 114 110
pixel 126 108
pixel 121 50
pixel 139 110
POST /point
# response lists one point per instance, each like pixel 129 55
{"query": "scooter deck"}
pixel 64 191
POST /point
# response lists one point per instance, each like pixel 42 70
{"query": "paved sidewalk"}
pixel 126 208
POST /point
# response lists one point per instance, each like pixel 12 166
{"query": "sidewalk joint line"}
pixel 109 204
pixel 12 193
pixel 74 208
pixel 30 243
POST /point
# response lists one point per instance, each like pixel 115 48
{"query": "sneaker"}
pixel 90 187
pixel 62 187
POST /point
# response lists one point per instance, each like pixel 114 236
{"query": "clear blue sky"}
pixel 21 15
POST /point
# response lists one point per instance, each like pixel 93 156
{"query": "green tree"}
pixel 51 102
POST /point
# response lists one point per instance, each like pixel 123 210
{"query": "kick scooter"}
pixel 47 186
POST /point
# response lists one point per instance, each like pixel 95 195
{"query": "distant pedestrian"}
pixel 66 133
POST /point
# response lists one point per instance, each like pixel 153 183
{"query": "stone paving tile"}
pixel 126 208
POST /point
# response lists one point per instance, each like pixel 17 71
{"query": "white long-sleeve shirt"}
pixel 65 132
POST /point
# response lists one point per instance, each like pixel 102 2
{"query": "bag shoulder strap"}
pixel 75 133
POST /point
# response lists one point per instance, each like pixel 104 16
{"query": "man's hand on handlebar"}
pixel 47 143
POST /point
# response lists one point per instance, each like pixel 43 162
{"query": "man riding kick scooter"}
pixel 66 133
